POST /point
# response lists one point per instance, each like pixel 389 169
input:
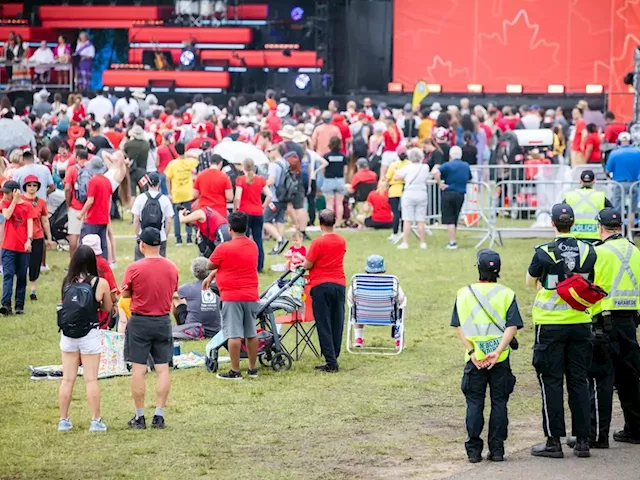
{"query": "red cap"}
pixel 30 179
pixel 186 118
pixel 202 128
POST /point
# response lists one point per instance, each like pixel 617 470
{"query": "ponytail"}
pixel 249 169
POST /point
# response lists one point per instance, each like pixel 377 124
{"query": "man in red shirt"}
pixel 613 128
pixel 212 188
pixel 362 176
pixel 73 193
pixel 345 132
pixel 201 136
pixel 325 263
pixel 16 245
pixel 95 212
pixel 235 269
pixel 273 124
pixel 580 136
pixel 166 153
pixel 149 328
pixel 508 121
pixel 592 145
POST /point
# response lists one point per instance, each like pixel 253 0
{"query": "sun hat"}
pixel 287 132
pixel 30 179
pixel 93 242
pixel 96 166
pixel 136 132
pixel 375 264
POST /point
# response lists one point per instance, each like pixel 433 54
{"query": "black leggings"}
pixel 397 217
pixel 311 203
pixel 35 259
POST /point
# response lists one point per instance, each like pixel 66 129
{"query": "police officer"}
pixel 562 336
pixel 615 319
pixel 586 203
pixel 487 317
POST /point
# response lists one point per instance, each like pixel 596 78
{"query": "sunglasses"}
pixel 32 185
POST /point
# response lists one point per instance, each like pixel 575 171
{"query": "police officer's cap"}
pixel 560 209
pixel 609 217
pixel 488 261
pixel 587 176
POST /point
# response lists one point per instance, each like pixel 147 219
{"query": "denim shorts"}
pixel 333 186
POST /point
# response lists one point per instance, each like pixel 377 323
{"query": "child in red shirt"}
pixel 297 252
pixel 16 246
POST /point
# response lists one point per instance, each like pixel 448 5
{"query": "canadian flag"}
pixel 143 181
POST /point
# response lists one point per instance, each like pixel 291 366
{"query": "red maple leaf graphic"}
pixel 628 13
pixel 517 52
pixel 443 72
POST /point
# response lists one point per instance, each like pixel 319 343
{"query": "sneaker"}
pixel 358 343
pixel 281 245
pixel 552 448
pixel 403 246
pixel 495 457
pixel 33 296
pixel 157 422
pixel 391 237
pixel 252 373
pixel 64 425
pixel 45 268
pixel 19 310
pixel 423 246
pixel 138 423
pixel 328 368
pixel 113 266
pixel 97 426
pixel 581 449
pixel 396 238
pixel 397 343
pixel 189 241
pixel 5 310
pixel 178 243
pixel 230 375
pixel 619 436
pixel 475 459
pixel 452 246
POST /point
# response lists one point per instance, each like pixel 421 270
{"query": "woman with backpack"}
pixel 83 294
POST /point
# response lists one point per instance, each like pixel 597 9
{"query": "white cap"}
pixel 93 241
pixel 81 142
pixel 455 152
pixel 624 137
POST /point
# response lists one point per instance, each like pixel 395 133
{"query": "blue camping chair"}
pixel 375 303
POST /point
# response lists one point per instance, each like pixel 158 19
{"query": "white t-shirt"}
pixel 416 176
pixel 100 107
pixel 165 205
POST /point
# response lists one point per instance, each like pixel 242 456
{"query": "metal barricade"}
pixel 523 208
pixel 629 203
pixel 531 171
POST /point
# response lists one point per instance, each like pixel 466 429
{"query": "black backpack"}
pixel 151 215
pixel 78 313
pixel 360 147
pixel 288 187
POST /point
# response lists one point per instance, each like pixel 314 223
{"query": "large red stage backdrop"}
pixel 534 43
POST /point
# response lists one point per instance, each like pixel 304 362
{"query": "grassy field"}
pixel 380 417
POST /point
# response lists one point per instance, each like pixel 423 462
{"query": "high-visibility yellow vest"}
pixel 617 272
pixel 586 204
pixel 548 307
pixel 478 328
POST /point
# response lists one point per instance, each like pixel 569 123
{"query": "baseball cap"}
pixel 81 142
pixel 488 260
pixel 560 209
pixel 610 217
pixel 150 236
pixel 587 176
pixel 9 186
pixel 93 242
pixel 154 179
pixel 407 107
pixel 362 162
pixel 375 264
pixel 624 137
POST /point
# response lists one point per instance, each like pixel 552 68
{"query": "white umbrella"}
pixel 236 152
pixel 15 134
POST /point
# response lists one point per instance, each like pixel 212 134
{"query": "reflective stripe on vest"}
pixel 624 259
pixel 471 329
pixel 586 204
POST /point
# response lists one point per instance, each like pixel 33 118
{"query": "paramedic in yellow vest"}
pixel 487 317
pixel 562 336
pixel 615 320
pixel 586 203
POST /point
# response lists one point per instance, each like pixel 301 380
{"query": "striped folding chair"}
pixel 375 303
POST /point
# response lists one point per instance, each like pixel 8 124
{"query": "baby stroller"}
pixel 58 222
pixel 279 296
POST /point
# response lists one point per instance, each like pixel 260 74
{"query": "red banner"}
pixel 533 43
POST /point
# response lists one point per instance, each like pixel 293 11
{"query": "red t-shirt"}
pixel 251 199
pixel 151 297
pixel 214 219
pixel 196 142
pixel 576 145
pixel 40 210
pixel 212 184
pixel 273 123
pixel 381 208
pixel 363 176
pixel 327 255
pixel 100 189
pixel 114 137
pixel 165 155
pixel 70 178
pixel 15 229
pixel 237 263
pixel 487 131
pixel 302 250
pixel 612 131
pixel 345 133
pixel 596 154
pixel 389 144
pixel 507 124
pixel 104 271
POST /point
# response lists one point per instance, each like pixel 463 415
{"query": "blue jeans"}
pixel 254 229
pixel 163 184
pixel 176 221
pixel 14 264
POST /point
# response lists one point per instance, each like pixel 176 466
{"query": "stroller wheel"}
pixel 211 364
pixel 264 361
pixel 281 362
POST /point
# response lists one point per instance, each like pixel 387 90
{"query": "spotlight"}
pixel 296 14
pixel 302 81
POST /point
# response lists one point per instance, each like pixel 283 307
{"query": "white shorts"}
pixel 388 158
pixel 73 224
pixel 414 209
pixel 90 344
pixel 111 175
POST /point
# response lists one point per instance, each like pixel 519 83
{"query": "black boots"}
pixel 551 449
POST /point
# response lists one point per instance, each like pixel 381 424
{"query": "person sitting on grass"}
pixel 194 307
pixel 375 265
pixel 77 348
pixel 377 212
pixel 235 269
pixel 213 227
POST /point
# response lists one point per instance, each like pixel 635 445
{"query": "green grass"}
pixel 380 417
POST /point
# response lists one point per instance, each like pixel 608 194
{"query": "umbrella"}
pixel 236 152
pixel 15 134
